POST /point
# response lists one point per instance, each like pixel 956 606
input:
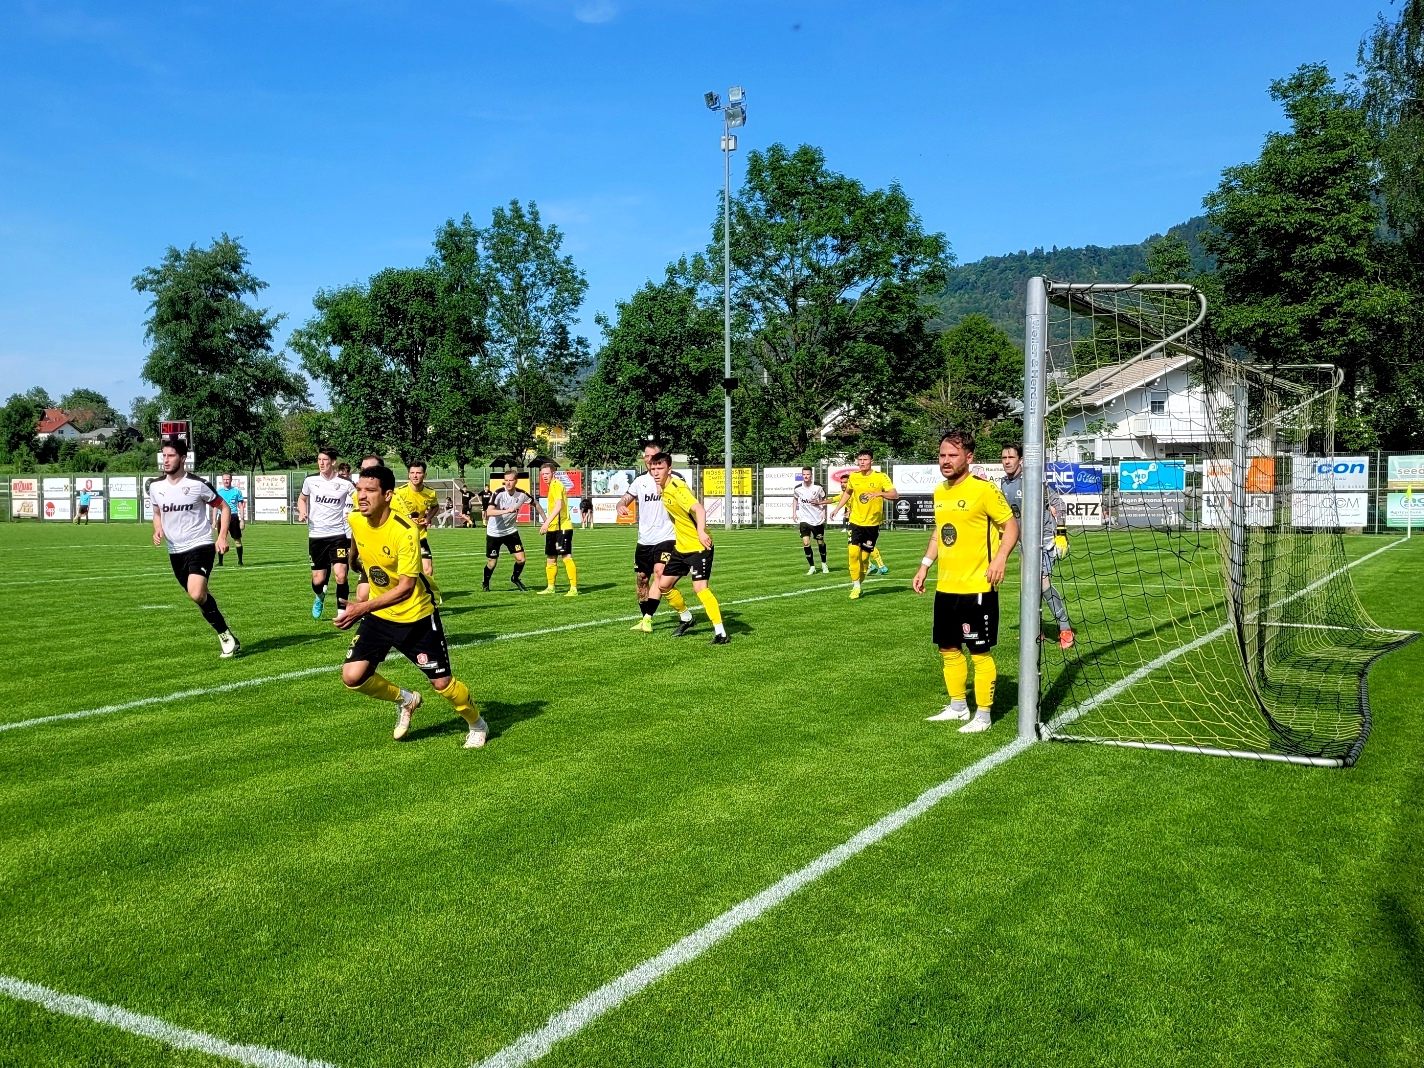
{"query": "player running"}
pixel 864 489
pixel 236 501
pixel 558 531
pixel 692 549
pixel 1055 534
pixel 808 511
pixel 966 601
pixel 322 505
pixel 400 615
pixel 417 502
pixel 502 528
pixel 655 539
pixel 180 503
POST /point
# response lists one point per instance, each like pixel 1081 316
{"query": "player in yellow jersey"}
pixel 558 531
pixel 969 512
pixel 692 549
pixel 401 612
pixel 417 502
pixel 864 489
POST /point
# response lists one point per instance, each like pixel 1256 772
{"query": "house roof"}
pixel 1106 384
pixel 52 420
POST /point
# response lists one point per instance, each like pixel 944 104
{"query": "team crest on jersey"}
pixel 948 535
pixel 422 659
pixel 379 577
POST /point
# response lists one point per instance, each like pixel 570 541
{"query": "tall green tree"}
pixel 533 294
pixel 1391 94
pixel 659 371
pixel 978 387
pixel 145 413
pixel 89 409
pixel 19 421
pixel 832 284
pixel 211 353
pixel 1299 256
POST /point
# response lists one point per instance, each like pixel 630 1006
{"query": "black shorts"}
pixel 83 509
pixel 507 541
pixel 966 619
pixel 422 643
pixel 559 543
pixel 234 529
pixel 698 565
pixel 818 531
pixel 647 557
pixel 865 537
pixel 327 551
pixel 195 561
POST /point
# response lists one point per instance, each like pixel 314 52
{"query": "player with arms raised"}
pixel 400 614
pixel 966 601
pixel 180 514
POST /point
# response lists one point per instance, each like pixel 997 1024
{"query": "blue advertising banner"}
pixel 1152 476
pixel 1074 478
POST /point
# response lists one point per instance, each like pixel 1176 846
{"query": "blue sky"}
pixel 333 138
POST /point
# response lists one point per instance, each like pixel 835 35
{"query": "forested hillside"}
pixel 994 286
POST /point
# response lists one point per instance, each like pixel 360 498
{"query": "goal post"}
pixel 1207 581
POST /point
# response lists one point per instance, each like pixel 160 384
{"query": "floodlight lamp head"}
pixel 736 94
pixel 736 115
pixel 712 100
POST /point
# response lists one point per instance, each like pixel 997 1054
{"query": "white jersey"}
pixel 654 526
pixel 184 508
pixel 501 526
pixel 326 505
pixel 810 504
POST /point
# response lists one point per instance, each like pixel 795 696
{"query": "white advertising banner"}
pixel 1216 509
pixel 605 510
pixel 776 510
pixel 25 507
pixel 123 486
pixel 28 487
pixel 56 487
pixel 1329 509
pixel 1083 509
pixel 916 480
pixel 1402 511
pixel 610 482
pixel 267 486
pixel 58 509
pixel 88 483
pixel 1406 471
pixel 993 472
pixel 1331 474
pixel 780 481
pixel 268 510
pixel 741 509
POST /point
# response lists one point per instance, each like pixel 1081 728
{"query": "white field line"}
pixel 151 1027
pixel 532 1045
pixel 301 673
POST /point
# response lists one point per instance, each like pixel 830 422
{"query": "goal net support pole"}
pixel 1031 529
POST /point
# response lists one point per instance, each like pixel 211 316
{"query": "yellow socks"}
pixel 956 673
pixel 550 570
pixel 674 598
pixel 986 673
pixel 379 688
pixel 855 561
pixel 709 602
pixel 876 558
pixel 458 694
pixel 572 571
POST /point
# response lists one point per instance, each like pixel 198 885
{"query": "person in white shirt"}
pixel 180 514
pixel 808 511
pixel 322 505
pixel 502 528
pixel 655 539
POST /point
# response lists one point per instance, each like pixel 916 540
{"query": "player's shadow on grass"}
pixel 479 637
pixel 500 715
pixel 877 589
pixel 601 586
pixel 328 633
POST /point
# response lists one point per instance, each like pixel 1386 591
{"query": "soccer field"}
pixel 232 862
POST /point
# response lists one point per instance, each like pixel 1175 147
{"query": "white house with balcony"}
pixel 1148 410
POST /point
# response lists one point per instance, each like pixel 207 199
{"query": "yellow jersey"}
pixel 867 513
pixel 387 552
pixel 414 503
pixel 679 501
pixel 560 495
pixel 968 518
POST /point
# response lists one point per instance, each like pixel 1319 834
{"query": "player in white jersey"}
pixel 502 528
pixel 655 539
pixel 808 511
pixel 180 514
pixel 322 505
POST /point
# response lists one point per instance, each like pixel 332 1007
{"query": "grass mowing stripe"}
pixel 533 1045
pixel 301 673
pixel 530 1047
pixel 151 1027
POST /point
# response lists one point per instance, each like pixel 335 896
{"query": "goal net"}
pixel 1206 579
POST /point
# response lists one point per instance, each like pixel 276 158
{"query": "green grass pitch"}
pixel 261 863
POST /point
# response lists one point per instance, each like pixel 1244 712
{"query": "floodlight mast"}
pixel 734 114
